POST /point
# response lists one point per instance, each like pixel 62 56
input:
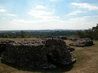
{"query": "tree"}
pixel 24 34
pixel 90 33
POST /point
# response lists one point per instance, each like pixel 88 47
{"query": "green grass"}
pixel 87 62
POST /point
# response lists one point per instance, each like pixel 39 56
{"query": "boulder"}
pixel 37 54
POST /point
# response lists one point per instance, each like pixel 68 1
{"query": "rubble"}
pixel 82 42
pixel 36 54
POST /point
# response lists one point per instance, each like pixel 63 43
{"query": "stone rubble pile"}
pixel 82 42
pixel 36 54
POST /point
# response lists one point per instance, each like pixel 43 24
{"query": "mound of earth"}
pixel 36 54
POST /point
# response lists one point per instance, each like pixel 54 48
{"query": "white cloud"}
pixel 38 13
pixel 11 15
pixel 5 12
pixel 43 18
pixel 18 21
pixel 84 22
pixel 43 14
pixel 75 13
pixel 85 5
pixel 40 7
pixel 2 10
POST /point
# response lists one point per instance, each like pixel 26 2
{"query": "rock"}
pixel 60 37
pixel 57 52
pixel 63 37
pixel 73 39
pixel 51 66
pixel 36 54
pixel 70 48
pixel 3 45
pixel 83 42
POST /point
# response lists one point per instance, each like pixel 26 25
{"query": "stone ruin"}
pixel 36 54
pixel 73 39
pixel 82 42
pixel 62 37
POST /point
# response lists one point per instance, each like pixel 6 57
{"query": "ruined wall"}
pixel 37 54
pixel 83 42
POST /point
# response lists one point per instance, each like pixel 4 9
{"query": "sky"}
pixel 48 14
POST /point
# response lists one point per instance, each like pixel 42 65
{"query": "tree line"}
pixel 90 33
pixel 21 34
pixel 37 33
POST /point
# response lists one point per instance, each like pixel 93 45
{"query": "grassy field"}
pixel 20 38
pixel 87 62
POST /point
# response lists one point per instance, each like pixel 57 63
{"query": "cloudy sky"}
pixel 48 14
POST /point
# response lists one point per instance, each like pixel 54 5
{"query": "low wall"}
pixel 37 54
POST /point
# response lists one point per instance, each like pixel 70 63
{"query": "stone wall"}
pixel 36 54
pixel 83 42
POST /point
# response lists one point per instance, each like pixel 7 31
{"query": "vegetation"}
pixel 90 33
pixel 37 33
pixel 11 34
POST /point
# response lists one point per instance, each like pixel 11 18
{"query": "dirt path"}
pixel 88 62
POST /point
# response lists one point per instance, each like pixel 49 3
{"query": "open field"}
pixel 20 38
pixel 87 62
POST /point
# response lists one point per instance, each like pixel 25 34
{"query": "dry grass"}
pixel 87 59
pixel 87 62
pixel 19 38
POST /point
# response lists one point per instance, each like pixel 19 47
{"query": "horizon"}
pixel 47 30
pixel 48 14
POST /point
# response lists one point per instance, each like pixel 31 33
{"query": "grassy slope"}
pixel 87 62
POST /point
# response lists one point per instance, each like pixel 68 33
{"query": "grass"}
pixel 87 62
pixel 20 38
